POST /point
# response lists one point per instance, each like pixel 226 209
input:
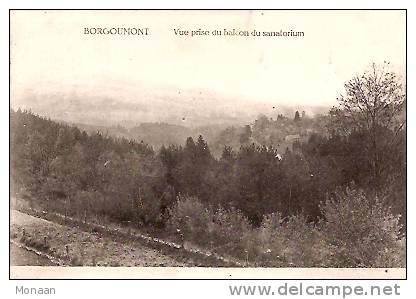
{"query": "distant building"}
pixel 292 138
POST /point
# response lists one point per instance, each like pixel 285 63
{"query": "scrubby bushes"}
pixel 293 241
pixel 361 232
pixel 191 218
pixel 356 231
pixel 223 231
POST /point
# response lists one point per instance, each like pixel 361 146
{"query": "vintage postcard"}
pixel 208 144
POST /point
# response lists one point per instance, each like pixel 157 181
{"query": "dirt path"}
pixel 78 247
pixel 23 257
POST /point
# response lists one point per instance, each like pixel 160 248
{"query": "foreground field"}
pixel 80 248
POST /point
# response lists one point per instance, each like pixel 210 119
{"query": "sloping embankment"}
pixel 77 243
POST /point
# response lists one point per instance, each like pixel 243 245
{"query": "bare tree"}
pixel 372 103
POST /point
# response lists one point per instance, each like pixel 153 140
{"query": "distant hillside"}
pixel 112 107
pixel 280 132
pixel 157 134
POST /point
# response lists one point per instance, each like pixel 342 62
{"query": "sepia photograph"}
pixel 213 144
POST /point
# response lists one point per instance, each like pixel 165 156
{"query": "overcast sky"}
pixel 50 53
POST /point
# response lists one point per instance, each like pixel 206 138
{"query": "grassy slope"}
pixel 86 248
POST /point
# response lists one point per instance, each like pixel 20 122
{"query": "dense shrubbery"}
pixel 361 231
pixel 221 230
pixel 191 217
pixel 356 231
